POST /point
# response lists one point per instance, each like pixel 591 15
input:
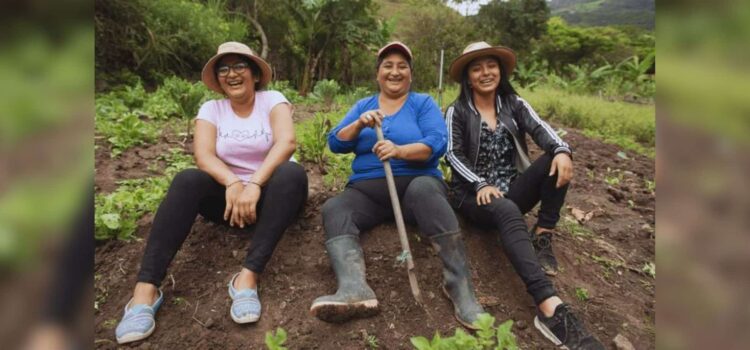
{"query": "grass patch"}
pixel 630 126
pixel 571 225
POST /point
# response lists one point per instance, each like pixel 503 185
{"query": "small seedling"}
pixel 371 341
pixel 109 324
pixel 275 341
pixel 569 224
pixel 650 185
pixel 582 294
pixel 650 269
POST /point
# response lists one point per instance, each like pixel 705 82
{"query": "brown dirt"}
pixel 194 313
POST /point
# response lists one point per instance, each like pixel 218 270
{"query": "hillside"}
pixel 638 13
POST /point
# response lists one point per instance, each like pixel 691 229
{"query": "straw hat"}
pixel 232 47
pixel 478 49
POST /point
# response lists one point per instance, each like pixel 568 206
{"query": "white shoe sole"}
pixel 246 319
pixel 131 337
pixel 371 303
pixel 547 333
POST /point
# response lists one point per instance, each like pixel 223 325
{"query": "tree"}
pixel 428 27
pixel 318 26
pixel 513 23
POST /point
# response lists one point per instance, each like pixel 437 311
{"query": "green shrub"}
pixel 125 129
pixel 326 90
pixel 487 337
pixel 312 137
pixel 285 89
pixel 173 36
pixel 338 168
pixel 352 96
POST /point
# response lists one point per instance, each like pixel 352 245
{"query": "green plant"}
pixel 326 90
pixel 487 337
pixel 582 294
pixel 109 324
pixel 371 341
pixel 275 341
pixel 117 213
pixel 312 136
pixel 337 170
pixel 124 130
pixel 651 185
pixel 609 265
pixel 569 224
pixel 287 90
pixel 650 269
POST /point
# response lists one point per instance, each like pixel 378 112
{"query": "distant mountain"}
pixel 639 13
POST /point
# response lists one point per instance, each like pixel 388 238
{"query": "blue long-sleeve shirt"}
pixel 419 120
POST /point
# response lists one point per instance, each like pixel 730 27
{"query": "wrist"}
pixel 233 182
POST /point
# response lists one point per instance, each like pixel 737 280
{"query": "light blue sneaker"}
pixel 138 321
pixel 245 304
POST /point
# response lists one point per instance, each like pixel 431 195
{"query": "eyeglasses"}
pixel 238 68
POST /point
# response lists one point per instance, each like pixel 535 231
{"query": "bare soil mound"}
pixel 604 256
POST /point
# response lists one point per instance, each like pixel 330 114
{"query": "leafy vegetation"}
pixel 582 294
pixel 117 213
pixel 487 337
pixel 276 340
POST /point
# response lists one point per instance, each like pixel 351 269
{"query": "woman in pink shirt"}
pixel 245 178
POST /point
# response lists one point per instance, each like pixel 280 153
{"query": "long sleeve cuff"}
pixel 480 184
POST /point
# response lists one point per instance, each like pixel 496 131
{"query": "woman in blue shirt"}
pixel 416 138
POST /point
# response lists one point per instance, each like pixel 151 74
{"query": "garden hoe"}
pixel 406 251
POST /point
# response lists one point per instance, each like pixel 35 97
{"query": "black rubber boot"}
pixel 457 284
pixel 354 298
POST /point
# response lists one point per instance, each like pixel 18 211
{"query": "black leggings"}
pixel 194 192
pixel 506 215
pixel 535 185
pixel 366 203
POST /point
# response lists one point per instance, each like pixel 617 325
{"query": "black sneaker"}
pixel 565 330
pixel 543 247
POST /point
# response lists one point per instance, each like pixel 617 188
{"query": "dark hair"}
pixel 503 89
pixel 385 53
pixel 250 63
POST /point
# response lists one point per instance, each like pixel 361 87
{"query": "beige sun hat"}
pixel 478 49
pixel 232 47
pixel 396 45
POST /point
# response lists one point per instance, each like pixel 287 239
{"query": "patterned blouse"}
pixel 495 159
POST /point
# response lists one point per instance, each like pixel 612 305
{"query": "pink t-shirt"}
pixel 242 143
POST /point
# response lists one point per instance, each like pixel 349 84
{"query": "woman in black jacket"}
pixel 494 183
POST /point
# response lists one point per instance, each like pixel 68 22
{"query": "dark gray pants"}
pixel 366 203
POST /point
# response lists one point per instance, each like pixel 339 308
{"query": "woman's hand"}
pixel 370 118
pixel 386 150
pixel 563 166
pixel 247 203
pixel 484 196
pixel 231 210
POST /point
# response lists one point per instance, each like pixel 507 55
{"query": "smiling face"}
pixel 484 75
pixel 237 86
pixel 394 75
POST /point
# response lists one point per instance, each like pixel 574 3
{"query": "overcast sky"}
pixel 468 8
